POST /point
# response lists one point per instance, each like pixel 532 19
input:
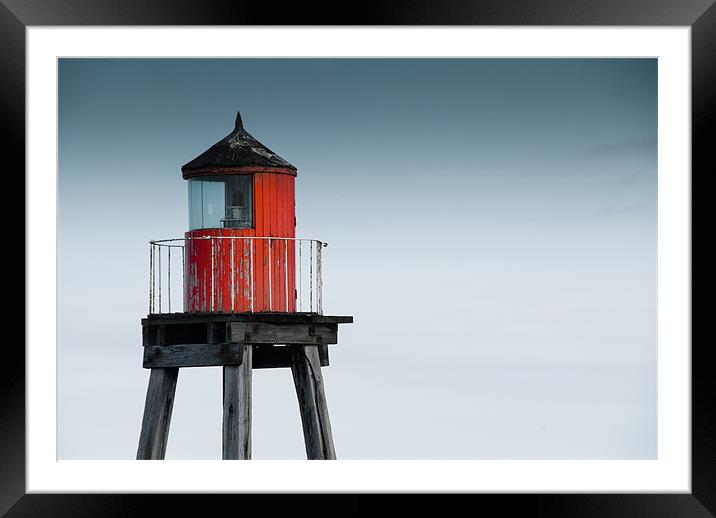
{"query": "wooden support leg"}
pixel 307 377
pixel 157 413
pixel 236 441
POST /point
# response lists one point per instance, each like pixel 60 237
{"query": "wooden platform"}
pixel 218 339
pixel 238 342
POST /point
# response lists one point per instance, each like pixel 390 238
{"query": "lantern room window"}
pixel 221 202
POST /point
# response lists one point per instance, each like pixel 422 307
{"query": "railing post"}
pixel 151 277
pixel 300 276
pixel 211 287
pixel 183 274
pixel 269 276
pixel 251 252
pixel 319 275
pixel 159 249
pixel 233 280
pixel 169 277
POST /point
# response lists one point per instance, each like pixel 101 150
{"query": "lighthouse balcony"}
pixel 235 274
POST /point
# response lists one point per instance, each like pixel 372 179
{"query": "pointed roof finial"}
pixel 239 149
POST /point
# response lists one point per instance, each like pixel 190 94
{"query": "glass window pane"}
pixel 221 202
pixel 238 202
pixel 212 199
pixel 195 220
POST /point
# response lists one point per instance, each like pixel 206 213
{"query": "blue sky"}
pixel 492 227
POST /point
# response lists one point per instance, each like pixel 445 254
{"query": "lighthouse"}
pixel 242 223
pixel 238 291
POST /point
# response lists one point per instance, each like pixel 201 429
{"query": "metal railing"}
pixel 232 274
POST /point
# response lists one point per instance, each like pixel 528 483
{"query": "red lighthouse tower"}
pixel 251 294
pixel 241 240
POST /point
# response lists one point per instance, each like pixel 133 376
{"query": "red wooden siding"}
pixel 230 289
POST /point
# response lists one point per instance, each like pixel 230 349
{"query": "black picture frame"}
pixel 700 15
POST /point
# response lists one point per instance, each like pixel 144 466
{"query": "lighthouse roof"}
pixel 238 151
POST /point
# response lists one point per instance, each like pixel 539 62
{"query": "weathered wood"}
pixel 236 428
pixel 274 356
pixel 271 357
pixel 176 340
pixel 215 332
pixel 191 328
pixel 262 333
pixel 308 380
pixel 157 414
pixel 323 355
pixel 269 318
pixel 208 355
pixel 192 355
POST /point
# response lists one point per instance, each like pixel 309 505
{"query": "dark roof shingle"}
pixel 238 149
